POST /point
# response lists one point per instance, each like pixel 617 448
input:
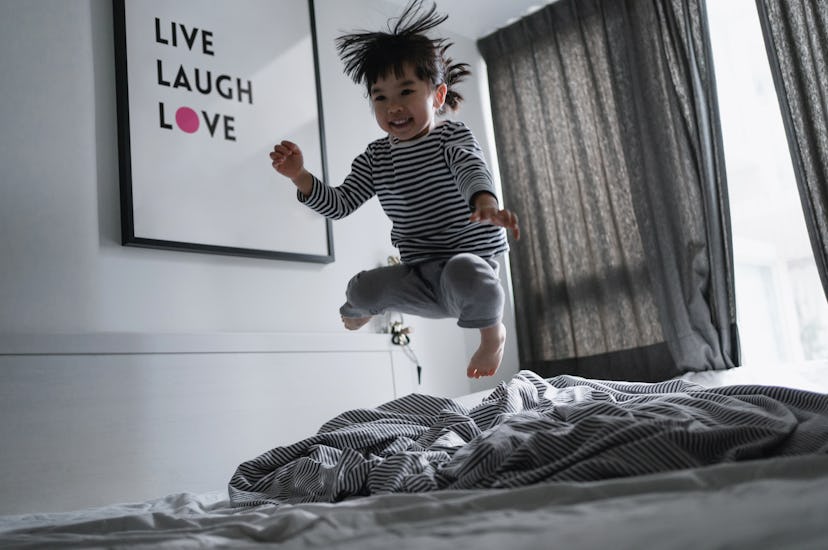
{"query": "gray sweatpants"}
pixel 465 287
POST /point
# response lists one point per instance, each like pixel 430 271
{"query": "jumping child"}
pixel 432 182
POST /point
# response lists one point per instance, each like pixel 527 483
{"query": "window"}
pixel 781 307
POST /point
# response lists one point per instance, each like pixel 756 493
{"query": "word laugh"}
pixel 197 80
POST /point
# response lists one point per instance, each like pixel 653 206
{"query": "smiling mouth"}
pixel 399 123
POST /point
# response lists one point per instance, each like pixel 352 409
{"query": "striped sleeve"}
pixel 337 202
pixel 467 164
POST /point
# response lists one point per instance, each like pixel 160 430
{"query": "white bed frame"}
pixel 92 419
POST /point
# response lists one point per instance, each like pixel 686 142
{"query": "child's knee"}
pixel 463 267
pixel 365 291
pixel 356 292
pixel 470 273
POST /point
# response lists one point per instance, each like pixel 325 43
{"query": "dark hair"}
pixel 371 55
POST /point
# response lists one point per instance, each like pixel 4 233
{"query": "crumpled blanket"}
pixel 532 430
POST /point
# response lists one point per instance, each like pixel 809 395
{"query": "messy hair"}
pixel 371 55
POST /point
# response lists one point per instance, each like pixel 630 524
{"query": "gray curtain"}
pixel 608 143
pixel 796 38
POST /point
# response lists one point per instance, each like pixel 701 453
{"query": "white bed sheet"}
pixel 776 503
pixel 772 503
pixel 808 375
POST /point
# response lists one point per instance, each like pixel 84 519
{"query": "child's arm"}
pixel 332 202
pixel 486 210
pixel 465 159
pixel 288 160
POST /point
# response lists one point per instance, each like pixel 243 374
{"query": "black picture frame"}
pixel 196 177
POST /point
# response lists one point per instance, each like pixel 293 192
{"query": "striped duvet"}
pixel 532 430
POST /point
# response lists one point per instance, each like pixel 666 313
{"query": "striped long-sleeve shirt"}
pixel 425 187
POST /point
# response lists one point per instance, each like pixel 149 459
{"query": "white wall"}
pixel 63 268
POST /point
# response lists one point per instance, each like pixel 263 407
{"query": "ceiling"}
pixel 476 18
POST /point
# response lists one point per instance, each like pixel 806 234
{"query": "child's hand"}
pixel 287 159
pixel 491 214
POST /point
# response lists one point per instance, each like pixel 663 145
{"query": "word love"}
pixel 187 120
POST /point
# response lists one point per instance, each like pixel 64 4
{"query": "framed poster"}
pixel 204 92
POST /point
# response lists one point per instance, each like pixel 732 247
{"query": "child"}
pixel 432 182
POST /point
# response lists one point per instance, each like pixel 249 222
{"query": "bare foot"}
pixel 355 323
pixel 488 356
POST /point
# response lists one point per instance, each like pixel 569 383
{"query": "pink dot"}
pixel 187 119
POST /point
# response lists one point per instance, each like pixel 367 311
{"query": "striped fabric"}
pixel 425 187
pixel 532 430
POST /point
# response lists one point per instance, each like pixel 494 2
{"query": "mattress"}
pixel 762 500
pixel 773 503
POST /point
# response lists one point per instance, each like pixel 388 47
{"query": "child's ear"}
pixel 440 96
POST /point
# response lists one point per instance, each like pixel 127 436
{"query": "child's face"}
pixel 405 106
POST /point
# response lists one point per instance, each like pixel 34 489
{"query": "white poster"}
pixel 205 90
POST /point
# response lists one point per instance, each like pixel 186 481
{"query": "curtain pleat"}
pixel 608 142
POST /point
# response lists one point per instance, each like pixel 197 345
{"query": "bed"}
pixel 535 463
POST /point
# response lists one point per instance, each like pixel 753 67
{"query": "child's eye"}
pixel 407 92
pixel 379 98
